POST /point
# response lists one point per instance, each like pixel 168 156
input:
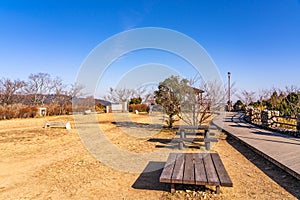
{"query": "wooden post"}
pixel 265 118
pixel 207 145
pixel 207 140
pixel 172 187
pixel 218 189
pixel 298 122
pixel 182 136
pixel 206 133
pixel 180 145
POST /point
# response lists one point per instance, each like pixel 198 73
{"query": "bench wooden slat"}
pixel 167 172
pixel 195 168
pixel 189 170
pixel 210 139
pixel 202 127
pixel 192 133
pixel 200 175
pixel 212 177
pixel 188 140
pixel 221 171
pixel 177 175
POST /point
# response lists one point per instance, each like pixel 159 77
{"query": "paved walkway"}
pixel 282 150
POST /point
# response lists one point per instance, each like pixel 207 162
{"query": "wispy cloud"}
pixel 132 17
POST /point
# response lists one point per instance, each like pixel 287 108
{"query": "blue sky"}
pixel 256 40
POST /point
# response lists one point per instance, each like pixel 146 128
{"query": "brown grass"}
pixel 38 163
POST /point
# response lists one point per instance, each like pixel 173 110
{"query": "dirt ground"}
pixel 39 163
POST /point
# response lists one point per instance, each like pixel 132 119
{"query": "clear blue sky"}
pixel 258 41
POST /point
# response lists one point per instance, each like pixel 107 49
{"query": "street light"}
pixel 229 102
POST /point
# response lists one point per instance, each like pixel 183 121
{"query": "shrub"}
pixel 135 101
pixel 138 107
pixel 6 113
pixel 28 112
pixel 10 111
pixel 68 109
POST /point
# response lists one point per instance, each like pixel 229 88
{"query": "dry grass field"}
pixel 53 163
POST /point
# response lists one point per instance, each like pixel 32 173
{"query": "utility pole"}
pixel 229 101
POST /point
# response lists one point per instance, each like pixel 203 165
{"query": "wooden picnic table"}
pixel 195 169
pixel 185 130
pixel 205 128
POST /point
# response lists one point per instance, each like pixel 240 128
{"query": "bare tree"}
pixel 140 92
pixel 60 96
pixel 119 95
pixel 213 99
pixel 247 97
pixel 64 96
pixel 9 91
pixel 292 88
pixel 145 92
pixel 39 85
pixel 264 94
pixel 149 97
pixel 75 91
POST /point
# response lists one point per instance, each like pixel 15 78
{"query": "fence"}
pixel 270 119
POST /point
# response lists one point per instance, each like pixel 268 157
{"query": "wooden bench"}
pixel 65 125
pixel 207 139
pixel 205 128
pixel 195 169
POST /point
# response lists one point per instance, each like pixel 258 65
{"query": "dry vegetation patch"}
pixel 38 163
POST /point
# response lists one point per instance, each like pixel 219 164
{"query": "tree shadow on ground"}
pixel 269 133
pixel 258 139
pixel 130 124
pixel 284 179
pixel 241 126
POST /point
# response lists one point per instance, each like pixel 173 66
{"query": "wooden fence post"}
pixel 265 116
pixel 298 122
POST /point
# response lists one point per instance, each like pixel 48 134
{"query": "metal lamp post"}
pixel 229 102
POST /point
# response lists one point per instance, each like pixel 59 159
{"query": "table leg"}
pixel 205 133
pixel 172 187
pixel 180 145
pixel 218 189
pixel 207 145
pixel 206 140
pixel 182 136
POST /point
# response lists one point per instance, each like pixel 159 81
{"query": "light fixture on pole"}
pixel 229 101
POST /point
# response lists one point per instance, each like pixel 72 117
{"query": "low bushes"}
pixel 138 107
pixel 17 111
pixel 28 112
pixel 54 109
pixel 25 111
